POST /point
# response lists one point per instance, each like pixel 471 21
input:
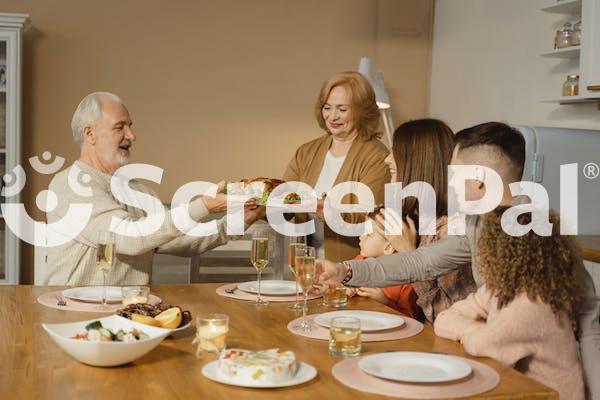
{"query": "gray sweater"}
pixel 438 258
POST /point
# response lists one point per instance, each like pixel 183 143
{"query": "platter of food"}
pixel 158 315
pixel 247 189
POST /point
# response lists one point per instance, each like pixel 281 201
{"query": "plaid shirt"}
pixel 436 295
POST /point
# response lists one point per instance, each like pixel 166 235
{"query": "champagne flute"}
pixel 105 260
pixel 259 258
pixel 306 275
pixel 296 242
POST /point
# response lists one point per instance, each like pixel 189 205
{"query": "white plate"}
pixel 370 321
pixel 305 373
pixel 407 366
pixel 93 294
pixel 270 288
pixel 105 354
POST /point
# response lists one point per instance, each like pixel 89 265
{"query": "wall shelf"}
pixel 572 100
pixel 569 7
pixel 586 56
pixel 567 52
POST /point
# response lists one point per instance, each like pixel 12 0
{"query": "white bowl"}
pixel 105 354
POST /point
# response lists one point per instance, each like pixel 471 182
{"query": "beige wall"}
pixel 486 65
pixel 217 89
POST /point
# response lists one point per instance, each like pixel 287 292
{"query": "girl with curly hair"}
pixel 524 315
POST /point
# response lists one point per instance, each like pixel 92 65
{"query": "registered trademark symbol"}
pixel 591 170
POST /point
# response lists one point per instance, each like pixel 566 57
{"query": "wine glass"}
pixel 259 257
pixel 305 273
pixel 105 260
pixel 296 242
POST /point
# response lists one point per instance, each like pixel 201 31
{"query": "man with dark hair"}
pixel 494 136
pixel 502 148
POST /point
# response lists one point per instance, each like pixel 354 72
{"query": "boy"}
pixel 402 297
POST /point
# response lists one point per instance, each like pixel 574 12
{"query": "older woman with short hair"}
pixel 350 150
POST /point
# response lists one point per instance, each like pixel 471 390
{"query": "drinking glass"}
pixel 344 337
pixel 259 257
pixel 305 274
pixel 105 260
pixel 335 295
pixel 211 332
pixel 296 242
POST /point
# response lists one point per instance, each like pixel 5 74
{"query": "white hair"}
pixel 88 112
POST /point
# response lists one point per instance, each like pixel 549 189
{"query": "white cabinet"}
pixel 10 131
pixel 587 53
pixel 589 82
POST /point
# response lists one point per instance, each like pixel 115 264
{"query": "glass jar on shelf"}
pixel 576 36
pixel 563 36
pixel 571 86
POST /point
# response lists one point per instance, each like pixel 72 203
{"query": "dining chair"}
pixel 231 262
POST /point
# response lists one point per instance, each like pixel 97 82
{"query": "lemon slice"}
pixel 144 319
pixel 170 318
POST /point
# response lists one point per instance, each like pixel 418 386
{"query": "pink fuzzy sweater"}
pixel 524 334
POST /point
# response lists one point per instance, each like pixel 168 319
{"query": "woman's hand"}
pixel 315 290
pixel 407 241
pixel 251 204
pixel 351 292
pixel 373 293
pixel 251 215
pixel 320 206
pixel 218 203
pixel 329 272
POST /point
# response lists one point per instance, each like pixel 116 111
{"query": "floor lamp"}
pixel 375 78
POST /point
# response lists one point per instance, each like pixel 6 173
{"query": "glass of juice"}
pixel 344 337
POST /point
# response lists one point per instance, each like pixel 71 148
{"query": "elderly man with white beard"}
pixel 102 129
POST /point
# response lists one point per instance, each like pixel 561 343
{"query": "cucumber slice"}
pixel 93 325
pixel 119 336
pixel 94 335
pixel 106 333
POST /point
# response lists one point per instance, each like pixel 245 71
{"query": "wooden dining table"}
pixel 33 366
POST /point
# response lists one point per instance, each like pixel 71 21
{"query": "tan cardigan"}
pixel 363 163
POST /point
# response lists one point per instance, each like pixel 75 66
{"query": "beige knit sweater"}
pixel 524 334
pixel 74 263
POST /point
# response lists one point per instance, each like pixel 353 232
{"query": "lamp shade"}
pixel 375 78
